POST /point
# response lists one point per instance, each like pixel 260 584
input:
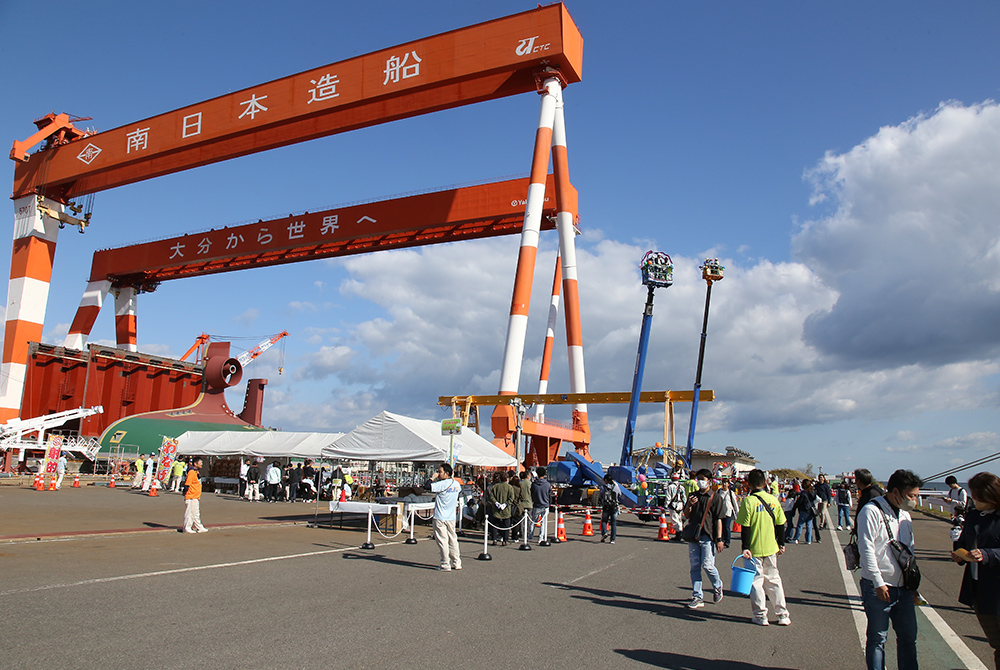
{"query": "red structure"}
pixel 124 383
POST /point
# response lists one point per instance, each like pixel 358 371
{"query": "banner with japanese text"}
pixel 52 451
pixel 168 450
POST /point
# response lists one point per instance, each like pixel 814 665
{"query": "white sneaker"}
pixel 760 621
pixel 188 530
pixel 202 530
pixel 784 620
pixel 839 528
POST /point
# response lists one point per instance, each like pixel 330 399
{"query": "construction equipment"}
pixel 12 434
pixel 711 271
pixel 250 355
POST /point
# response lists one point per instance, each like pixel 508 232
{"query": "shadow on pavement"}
pixel 381 558
pixel 669 608
pixel 662 659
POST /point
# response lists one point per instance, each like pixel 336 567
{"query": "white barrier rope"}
pixel 379 530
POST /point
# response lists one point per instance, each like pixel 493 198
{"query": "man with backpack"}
pixel 843 506
pixel 609 508
pixel 763 540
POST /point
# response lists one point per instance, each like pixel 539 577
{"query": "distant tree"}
pixel 808 470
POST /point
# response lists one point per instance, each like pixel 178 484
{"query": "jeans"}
pixel 609 524
pixel 901 611
pixel 701 554
pixel 727 529
pixel 844 515
pixel 806 522
pixel 536 520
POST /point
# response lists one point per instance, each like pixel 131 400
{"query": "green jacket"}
pixel 502 494
pixel 524 503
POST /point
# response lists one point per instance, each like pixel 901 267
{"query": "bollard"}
pixel 524 533
pixel 485 556
pixel 368 542
pixel 543 540
pixel 413 522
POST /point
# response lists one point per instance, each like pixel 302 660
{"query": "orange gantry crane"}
pixel 538 50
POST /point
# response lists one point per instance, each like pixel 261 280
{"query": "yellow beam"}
pixel 579 398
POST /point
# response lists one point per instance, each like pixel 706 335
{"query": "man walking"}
pixel 192 499
pixel 445 504
pixel 244 468
pixel 60 469
pixel 881 524
pixel 541 494
pixel 610 494
pixel 822 489
pixel 763 540
pixel 140 461
pixel 703 532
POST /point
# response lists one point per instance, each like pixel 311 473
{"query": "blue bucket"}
pixel 742 578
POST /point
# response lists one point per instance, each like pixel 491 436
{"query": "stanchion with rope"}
pixel 526 546
pixel 368 544
pixel 485 556
pixel 543 537
pixel 413 522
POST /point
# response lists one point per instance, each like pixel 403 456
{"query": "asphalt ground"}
pixel 111 583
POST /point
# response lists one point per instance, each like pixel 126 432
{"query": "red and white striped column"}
pixel 125 326
pixel 517 325
pixel 86 314
pixel 550 336
pixel 31 261
pixel 566 218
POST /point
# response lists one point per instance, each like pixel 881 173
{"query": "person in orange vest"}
pixel 192 499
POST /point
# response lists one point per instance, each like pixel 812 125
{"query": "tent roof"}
pixel 393 437
pixel 266 444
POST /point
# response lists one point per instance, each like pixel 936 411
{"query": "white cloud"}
pixel 911 246
pixel 247 318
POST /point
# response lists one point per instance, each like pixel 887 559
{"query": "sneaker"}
pixel 717 595
pixel 840 528
pixel 784 620
pixel 612 541
pixel 456 567
pixel 760 620
pixel 695 603
pixel 443 568
pixel 188 530
pixel 202 530
pixel 604 539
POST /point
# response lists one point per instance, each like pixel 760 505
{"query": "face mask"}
pixel 702 484
pixel 907 504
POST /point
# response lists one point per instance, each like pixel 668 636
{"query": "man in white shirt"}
pixel 244 469
pixel 957 495
pixel 885 598
pixel 60 469
pixel 445 505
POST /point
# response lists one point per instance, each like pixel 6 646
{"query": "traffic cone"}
pixel 588 525
pixel 737 528
pixel 39 482
pixel 111 484
pixel 152 488
pixel 52 483
pixel 343 495
pixel 561 528
pixel 76 481
pixel 664 530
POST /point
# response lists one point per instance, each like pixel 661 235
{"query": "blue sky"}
pixel 841 158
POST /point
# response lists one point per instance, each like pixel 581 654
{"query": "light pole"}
pixel 711 271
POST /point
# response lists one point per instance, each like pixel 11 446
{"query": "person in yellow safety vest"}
pixel 140 460
pixel 690 486
pixel 177 475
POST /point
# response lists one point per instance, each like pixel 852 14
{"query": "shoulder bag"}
pixel 779 531
pixel 691 532
pixel 904 557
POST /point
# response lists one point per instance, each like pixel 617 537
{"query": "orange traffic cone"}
pixel 561 528
pixel 152 488
pixel 52 483
pixel 588 525
pixel 737 528
pixel 343 495
pixel 111 484
pixel 664 530
pixel 39 482
pixel 76 481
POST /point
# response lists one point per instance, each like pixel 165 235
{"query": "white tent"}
pixel 392 437
pixel 263 443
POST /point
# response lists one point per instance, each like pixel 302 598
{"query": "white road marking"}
pixel 176 571
pixel 954 641
pixel 594 572
pixel 853 595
